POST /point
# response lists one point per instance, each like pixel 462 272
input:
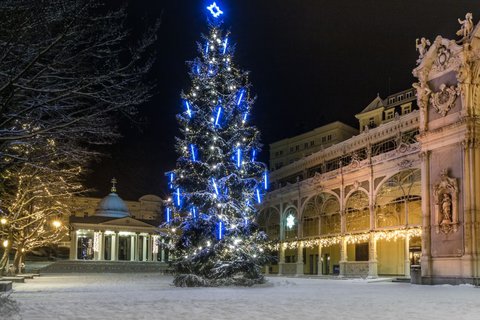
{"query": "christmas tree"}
pixel 217 181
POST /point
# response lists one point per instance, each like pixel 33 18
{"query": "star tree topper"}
pixel 214 10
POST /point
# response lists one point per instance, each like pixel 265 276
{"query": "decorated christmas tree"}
pixel 218 181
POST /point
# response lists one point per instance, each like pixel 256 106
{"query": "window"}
pixel 329 137
pixel 400 97
pixel 407 108
pixel 297 147
pixel 371 123
pixel 312 143
pixel 408 94
pixel 391 100
pixel 305 145
pixel 389 114
pixel 324 139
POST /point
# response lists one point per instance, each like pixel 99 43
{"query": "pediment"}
pixel 127 221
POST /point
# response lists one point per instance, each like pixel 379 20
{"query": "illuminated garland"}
pixel 388 235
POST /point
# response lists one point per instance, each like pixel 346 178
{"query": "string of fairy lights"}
pixel 327 241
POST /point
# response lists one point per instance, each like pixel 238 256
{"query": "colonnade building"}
pixel 111 229
pixel 403 191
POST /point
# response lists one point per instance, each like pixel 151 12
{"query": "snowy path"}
pixel 150 296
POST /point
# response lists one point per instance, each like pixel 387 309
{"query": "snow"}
pixel 151 296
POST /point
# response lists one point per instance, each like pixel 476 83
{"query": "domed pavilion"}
pixel 112 233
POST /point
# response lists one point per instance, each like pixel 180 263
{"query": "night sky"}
pixel 311 61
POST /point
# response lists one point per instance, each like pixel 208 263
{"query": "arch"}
pixel 357 211
pixel 269 222
pixel 321 215
pixel 398 200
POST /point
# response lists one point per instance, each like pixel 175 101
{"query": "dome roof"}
pixel 112 206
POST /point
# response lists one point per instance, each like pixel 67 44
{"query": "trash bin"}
pixel 415 274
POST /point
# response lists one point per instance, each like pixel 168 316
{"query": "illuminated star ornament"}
pixel 290 221
pixel 214 10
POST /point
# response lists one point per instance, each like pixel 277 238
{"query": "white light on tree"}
pixel 290 221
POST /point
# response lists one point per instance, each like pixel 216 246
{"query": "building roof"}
pixel 375 104
pixel 112 206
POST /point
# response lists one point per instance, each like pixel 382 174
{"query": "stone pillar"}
pixel 407 255
pixel 343 257
pixel 144 251
pixel 115 246
pixel 319 262
pixel 426 260
pixel 96 245
pixel 372 257
pixel 133 248
pixel 101 246
pixel 281 260
pixel 137 247
pixel 299 271
pixel 73 245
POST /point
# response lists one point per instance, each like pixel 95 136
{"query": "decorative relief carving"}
pixel 444 99
pixel 443 57
pixel 445 194
pixel 404 164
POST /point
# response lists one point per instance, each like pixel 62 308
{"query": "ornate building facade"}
pixel 400 193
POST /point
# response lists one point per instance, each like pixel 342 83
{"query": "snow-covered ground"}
pixel 151 296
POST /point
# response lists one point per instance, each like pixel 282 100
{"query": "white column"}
pixel 372 257
pixel 133 251
pixel 300 268
pixel 115 245
pixel 96 245
pixel 144 249
pixel 137 247
pixel 407 255
pixel 73 245
pixel 101 246
pixel 319 262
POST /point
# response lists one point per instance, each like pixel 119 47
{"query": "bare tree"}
pixel 68 68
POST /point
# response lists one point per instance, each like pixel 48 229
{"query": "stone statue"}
pixel 446 208
pixel 445 194
pixel 467 26
pixel 422 48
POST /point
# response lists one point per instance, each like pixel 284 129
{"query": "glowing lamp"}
pixel 56 223
pixel 3 221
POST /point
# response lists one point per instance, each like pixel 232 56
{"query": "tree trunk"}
pixel 17 261
pixel 5 257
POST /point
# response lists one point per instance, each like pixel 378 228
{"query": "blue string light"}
pixel 265 179
pixel 168 215
pixel 206 48
pixel 189 109
pixel 215 186
pixel 225 45
pixel 194 213
pixel 240 97
pixel 219 111
pixel 254 155
pixel 192 149
pixel 259 200
pixel 220 230
pixel 178 197
pixel 239 157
